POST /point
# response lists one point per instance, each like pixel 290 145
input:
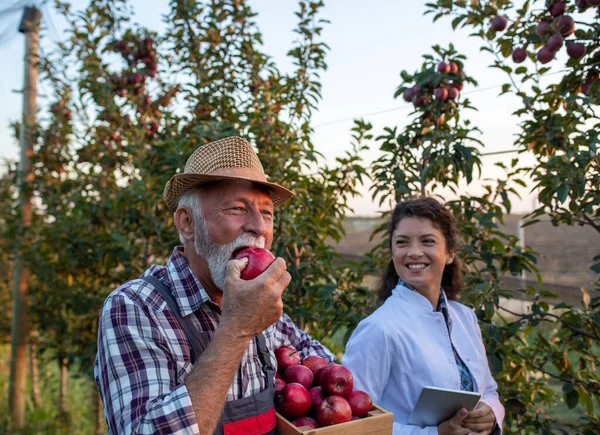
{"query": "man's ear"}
pixel 184 223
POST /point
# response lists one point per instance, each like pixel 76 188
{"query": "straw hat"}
pixel 231 158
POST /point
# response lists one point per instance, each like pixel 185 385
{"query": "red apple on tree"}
pixel 443 68
pixel 293 401
pixel 452 93
pixel 305 422
pixel 576 50
pixel 542 28
pixel 300 374
pixel 545 55
pixel 333 410
pixel 453 67
pixel 336 379
pixel 441 93
pixel 555 42
pixel 258 261
pixel 566 25
pixel 360 402
pixel 558 8
pixel 519 55
pixel 499 23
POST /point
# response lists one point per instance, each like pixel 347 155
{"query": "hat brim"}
pixel 180 183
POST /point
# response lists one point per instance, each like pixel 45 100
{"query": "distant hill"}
pixel 565 253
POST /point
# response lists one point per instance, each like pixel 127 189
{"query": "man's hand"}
pixel 454 425
pixel 250 307
pixel 481 420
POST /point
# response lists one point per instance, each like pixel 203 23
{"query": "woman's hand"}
pixel 454 425
pixel 481 420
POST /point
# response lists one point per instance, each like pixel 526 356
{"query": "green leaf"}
pixel 563 192
pixel 568 387
pixel 572 398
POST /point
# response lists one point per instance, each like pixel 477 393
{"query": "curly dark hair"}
pixel 443 220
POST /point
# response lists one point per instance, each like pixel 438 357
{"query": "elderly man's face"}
pixel 235 214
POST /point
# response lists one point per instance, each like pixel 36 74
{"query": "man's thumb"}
pixel 237 266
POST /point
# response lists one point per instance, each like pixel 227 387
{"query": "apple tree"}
pixel 436 151
pixel 127 107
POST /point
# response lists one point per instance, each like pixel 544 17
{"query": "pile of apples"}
pixel 312 393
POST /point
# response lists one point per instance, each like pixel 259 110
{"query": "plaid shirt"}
pixel 466 379
pixel 144 356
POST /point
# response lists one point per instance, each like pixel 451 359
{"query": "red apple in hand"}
pixel 305 422
pixel 337 379
pixel 315 363
pixel 286 357
pixel 293 401
pixel 360 402
pixel 300 374
pixel 258 261
pixel 316 396
pixel 333 410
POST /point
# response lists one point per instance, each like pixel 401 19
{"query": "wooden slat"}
pixel 377 422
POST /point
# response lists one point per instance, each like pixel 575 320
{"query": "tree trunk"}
pixel 62 394
pixel 99 423
pixel 30 24
pixel 33 370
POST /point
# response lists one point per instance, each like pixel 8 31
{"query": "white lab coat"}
pixel 404 345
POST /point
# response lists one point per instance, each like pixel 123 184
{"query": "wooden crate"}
pixel 377 422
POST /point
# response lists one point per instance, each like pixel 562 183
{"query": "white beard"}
pixel 218 256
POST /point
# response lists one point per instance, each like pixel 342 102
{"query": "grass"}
pixel 45 419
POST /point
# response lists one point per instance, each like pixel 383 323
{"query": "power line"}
pixel 408 106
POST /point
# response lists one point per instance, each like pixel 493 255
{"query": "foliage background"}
pixel 130 105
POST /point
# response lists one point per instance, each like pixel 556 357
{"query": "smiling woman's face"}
pixel 419 253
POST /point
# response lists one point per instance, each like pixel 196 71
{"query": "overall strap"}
pixel 265 358
pixel 198 341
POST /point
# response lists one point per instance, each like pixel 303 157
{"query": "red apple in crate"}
pixel 360 402
pixel 305 422
pixel 258 261
pixel 293 401
pixel 286 357
pixel 316 396
pixel 299 374
pixel 279 384
pixel 336 379
pixel 318 376
pixel 315 363
pixel 333 410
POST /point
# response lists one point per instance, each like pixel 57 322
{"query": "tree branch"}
pixel 562 321
pixel 590 221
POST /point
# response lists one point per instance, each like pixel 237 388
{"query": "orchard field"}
pixel 126 106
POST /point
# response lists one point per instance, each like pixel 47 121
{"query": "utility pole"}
pixel 30 25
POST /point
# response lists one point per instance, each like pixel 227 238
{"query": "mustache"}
pixel 246 240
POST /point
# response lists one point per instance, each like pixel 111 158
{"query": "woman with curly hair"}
pixel 420 335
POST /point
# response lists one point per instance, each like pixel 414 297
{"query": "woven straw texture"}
pixel 230 158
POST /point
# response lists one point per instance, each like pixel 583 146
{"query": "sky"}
pixel 371 42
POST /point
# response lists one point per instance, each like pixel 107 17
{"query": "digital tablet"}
pixel 436 405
